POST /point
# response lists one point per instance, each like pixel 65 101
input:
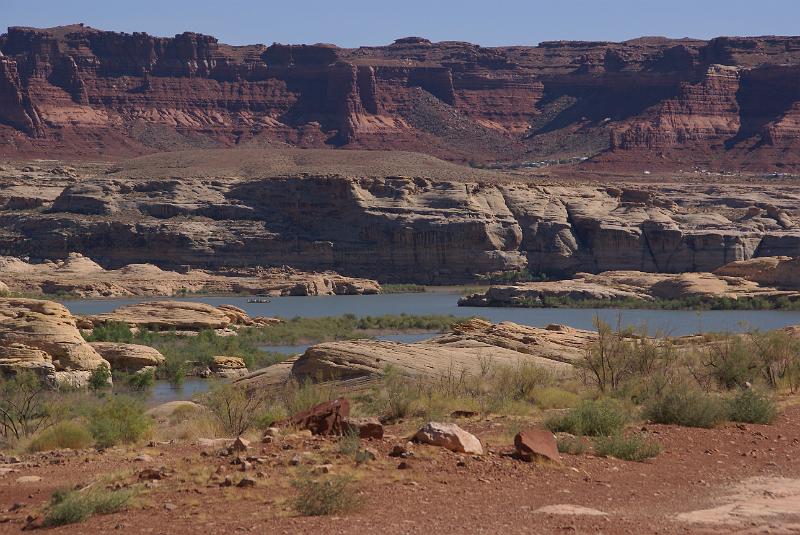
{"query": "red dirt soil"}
pixel 698 469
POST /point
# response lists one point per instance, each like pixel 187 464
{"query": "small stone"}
pixel 29 479
pixel 272 432
pixel 240 445
pixel 246 482
pixel 227 482
pixel 143 458
pixel 170 506
pixel 398 450
pixel 404 465
pixel 294 461
pixel 322 469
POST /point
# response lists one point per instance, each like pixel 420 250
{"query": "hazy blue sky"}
pixel 370 22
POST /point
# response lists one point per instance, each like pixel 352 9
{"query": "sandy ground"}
pixel 734 479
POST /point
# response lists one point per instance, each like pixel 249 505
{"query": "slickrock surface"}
pixel 79 91
pixel 236 209
pixel 467 348
pixel 129 357
pixel 42 336
pixel 80 276
pixel 736 280
pixel 177 316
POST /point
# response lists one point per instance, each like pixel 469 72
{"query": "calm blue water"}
pixel 672 322
pixel 163 391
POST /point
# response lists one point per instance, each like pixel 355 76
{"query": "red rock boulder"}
pixel 323 419
pixel 364 427
pixel 536 443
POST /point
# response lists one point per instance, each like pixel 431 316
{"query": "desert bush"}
pixel 396 396
pixel 100 378
pixel 571 444
pixel 686 406
pixel 592 418
pixel 26 406
pixel 730 361
pixel 67 434
pixel 627 358
pixel 551 397
pixel 750 406
pixel 298 396
pixel 236 408
pixel 72 506
pixel 119 420
pixel 324 496
pixel 777 353
pixel 520 380
pixel 636 447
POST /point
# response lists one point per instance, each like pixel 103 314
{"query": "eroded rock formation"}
pixel 738 280
pixel 42 336
pixel 189 210
pixel 80 91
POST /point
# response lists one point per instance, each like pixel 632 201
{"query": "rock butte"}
pixel 727 101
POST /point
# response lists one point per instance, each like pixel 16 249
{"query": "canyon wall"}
pixel 728 102
pixel 400 229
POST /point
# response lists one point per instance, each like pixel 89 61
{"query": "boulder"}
pixel 228 367
pixel 364 427
pixel 536 444
pixel 449 436
pixel 168 315
pixel 323 419
pixel 42 336
pixel 129 357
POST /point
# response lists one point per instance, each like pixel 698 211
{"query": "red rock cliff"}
pixel 78 91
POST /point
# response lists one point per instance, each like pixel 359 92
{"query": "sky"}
pixel 352 23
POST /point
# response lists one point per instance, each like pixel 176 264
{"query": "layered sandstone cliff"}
pixel 78 91
pixel 394 228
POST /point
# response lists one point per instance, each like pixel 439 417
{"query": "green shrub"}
pixel 72 506
pixel 100 378
pixel 752 407
pixel 636 447
pixel 687 407
pixel 140 381
pixel 298 396
pixel 27 405
pixel 324 496
pixel 68 434
pixel 571 444
pixel 236 408
pixel 112 331
pixel 732 362
pixel 119 420
pixel 592 418
pixel 551 397
pixel 349 443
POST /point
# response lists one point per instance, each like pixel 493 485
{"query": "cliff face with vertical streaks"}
pixel 728 102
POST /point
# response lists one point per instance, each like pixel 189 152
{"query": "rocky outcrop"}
pixel 738 280
pixel 469 347
pixel 80 276
pixel 75 90
pixel 42 336
pixel 177 316
pixel 228 367
pixel 129 358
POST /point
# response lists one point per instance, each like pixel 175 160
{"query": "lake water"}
pixel 672 322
